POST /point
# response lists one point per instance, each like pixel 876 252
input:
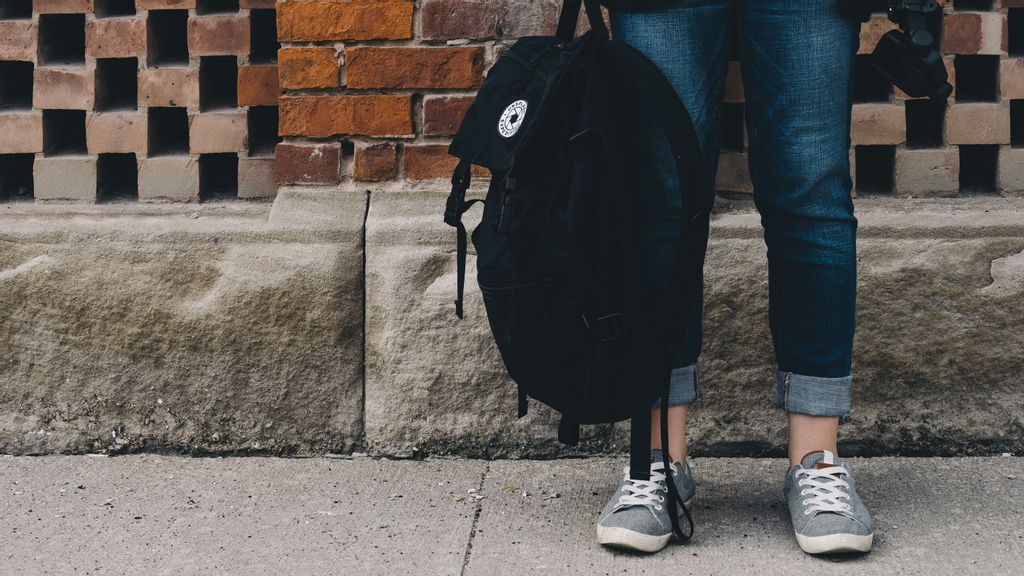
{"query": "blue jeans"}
pixel 797 63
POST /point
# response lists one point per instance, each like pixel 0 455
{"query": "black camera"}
pixel 909 57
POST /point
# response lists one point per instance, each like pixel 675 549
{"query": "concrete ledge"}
pixel 211 328
pixel 938 367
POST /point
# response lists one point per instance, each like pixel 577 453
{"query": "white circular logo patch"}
pixel 512 118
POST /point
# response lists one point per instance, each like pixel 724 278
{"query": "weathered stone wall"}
pixel 195 329
pixel 938 362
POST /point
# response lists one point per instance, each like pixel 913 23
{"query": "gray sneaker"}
pixel 828 516
pixel 636 517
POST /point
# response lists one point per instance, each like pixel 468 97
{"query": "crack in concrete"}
pixel 476 518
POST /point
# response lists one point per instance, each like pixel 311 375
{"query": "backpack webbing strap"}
pixel 640 442
pixel 570 14
pixel 454 209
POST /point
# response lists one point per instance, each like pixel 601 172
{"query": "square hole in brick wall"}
pixel 63 132
pixel 977 78
pixel 925 122
pixel 168 131
pixel 15 85
pixel 168 37
pixel 875 168
pixel 112 8
pixel 1015 31
pixel 978 165
pixel 973 5
pixel 117 86
pixel 1017 123
pixel 117 177
pixel 868 83
pixel 218 82
pixel 61 39
pixel 263 37
pixel 16 176
pixel 15 9
pixel 216 6
pixel 218 176
pixel 263 138
pixel 731 126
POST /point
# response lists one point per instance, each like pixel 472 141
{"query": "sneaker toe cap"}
pixel 826 523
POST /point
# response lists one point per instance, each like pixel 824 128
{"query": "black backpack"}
pixel 558 121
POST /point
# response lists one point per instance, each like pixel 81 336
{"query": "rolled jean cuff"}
pixel 684 386
pixel 812 395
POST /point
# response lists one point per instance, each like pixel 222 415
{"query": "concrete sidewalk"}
pixel 153 515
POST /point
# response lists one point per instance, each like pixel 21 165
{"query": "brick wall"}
pixel 373 90
pixel 137 99
pixel 177 99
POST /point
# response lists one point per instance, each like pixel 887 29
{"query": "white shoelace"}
pixel 644 492
pixel 827 490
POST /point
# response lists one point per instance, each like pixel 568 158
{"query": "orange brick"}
pixel 115 37
pixel 734 83
pixel 1011 78
pixel 307 163
pixel 376 67
pixel 301 68
pixel 164 4
pixel 221 34
pixel 257 86
pixel 21 132
pixel 873 30
pixel 214 132
pixel 175 87
pixel 376 163
pixel 256 3
pixel 443 114
pixel 368 115
pixel 61 6
pixel 980 123
pixel 313 20
pixel 973 33
pixel 18 40
pixel 116 132
pixel 427 162
pixel 878 124
pixel 68 89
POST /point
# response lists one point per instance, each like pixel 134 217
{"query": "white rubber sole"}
pixel 630 540
pixel 627 539
pixel 835 543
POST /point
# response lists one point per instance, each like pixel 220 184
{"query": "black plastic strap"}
pixel 455 207
pixel 568 431
pixel 524 405
pixel 566 30
pixel 640 442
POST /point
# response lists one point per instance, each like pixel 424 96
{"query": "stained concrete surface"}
pixel 155 515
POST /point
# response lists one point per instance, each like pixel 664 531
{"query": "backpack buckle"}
pixel 453 210
pixel 612 327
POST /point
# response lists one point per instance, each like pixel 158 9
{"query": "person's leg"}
pixel 797 70
pixel 687 41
